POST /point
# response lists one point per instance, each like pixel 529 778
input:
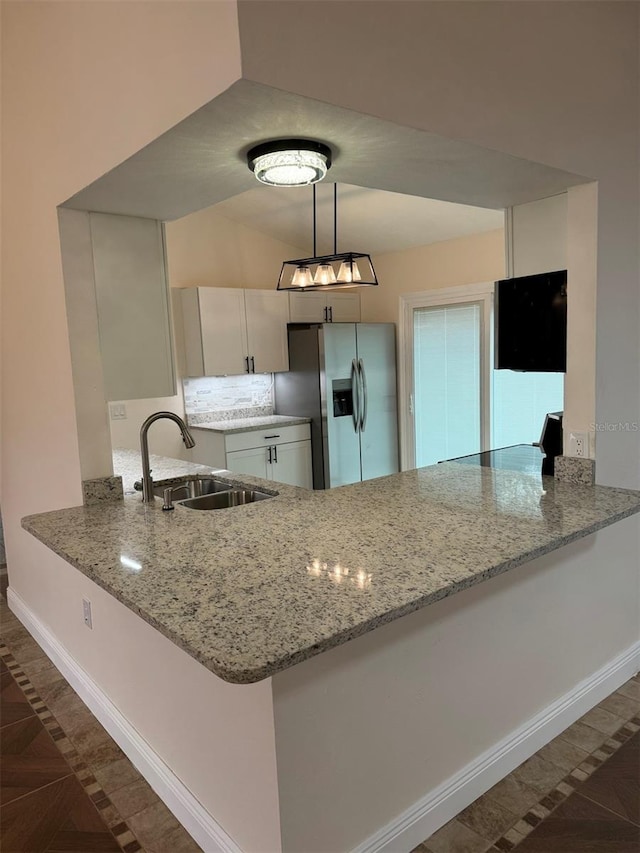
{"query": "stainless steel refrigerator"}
pixel 343 377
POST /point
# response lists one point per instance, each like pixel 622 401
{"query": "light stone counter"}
pixel 252 590
pixel 247 424
pixel 128 465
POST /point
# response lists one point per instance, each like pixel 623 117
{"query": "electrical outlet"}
pixel 118 411
pixel 86 613
pixel 579 444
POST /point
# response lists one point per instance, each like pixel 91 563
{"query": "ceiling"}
pixel 202 160
pixel 368 220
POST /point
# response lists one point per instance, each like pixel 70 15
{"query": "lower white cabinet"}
pixel 281 454
pixel 288 463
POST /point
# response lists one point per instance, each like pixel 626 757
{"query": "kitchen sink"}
pixel 193 488
pixel 224 500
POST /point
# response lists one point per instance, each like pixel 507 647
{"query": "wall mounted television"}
pixel 530 323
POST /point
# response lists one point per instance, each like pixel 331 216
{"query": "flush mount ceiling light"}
pixel 289 162
pixel 327 272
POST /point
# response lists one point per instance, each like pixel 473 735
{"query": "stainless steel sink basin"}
pixel 224 500
pixel 193 488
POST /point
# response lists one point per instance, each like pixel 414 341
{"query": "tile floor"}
pixel 579 794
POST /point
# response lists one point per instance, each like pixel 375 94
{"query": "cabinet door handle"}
pixel 246 362
pixel 325 314
pixel 253 365
pixel 271 436
pixel 269 460
pixel 275 453
pixel 330 310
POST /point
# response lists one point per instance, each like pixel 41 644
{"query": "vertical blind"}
pixel 446 382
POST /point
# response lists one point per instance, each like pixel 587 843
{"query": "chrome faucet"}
pixel 147 482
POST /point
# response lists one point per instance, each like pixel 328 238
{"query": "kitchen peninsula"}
pixel 370 728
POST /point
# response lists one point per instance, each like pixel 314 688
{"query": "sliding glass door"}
pixel 447 380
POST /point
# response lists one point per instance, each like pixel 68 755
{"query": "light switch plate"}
pixel 117 411
pixel 86 613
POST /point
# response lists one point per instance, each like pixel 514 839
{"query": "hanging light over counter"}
pixel 328 272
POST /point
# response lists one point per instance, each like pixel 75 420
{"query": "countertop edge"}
pixel 234 430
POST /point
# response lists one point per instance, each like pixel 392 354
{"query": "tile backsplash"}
pixel 227 397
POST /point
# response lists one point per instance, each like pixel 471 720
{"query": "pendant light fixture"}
pixel 289 162
pixel 327 272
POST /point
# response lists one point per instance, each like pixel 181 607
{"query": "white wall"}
pixel 577 110
pixel 465 260
pixel 580 413
pixel 207 249
pixel 537 236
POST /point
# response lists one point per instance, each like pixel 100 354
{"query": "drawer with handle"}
pixel 266 437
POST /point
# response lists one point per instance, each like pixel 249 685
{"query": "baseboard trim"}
pixel 432 811
pixel 198 822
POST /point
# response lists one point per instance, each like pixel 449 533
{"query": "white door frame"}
pixel 481 294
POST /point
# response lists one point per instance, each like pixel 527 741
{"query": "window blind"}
pixel 446 382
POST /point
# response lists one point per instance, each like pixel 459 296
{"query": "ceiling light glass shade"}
pixel 310 273
pixel 289 162
pixel 349 272
pixel 301 277
pixel 324 274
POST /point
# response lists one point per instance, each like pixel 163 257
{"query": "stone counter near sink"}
pixel 128 465
pixel 246 424
pixel 268 585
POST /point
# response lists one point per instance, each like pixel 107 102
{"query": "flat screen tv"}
pixel 530 323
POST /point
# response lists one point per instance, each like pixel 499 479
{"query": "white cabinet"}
pixel 321 306
pixel 281 454
pixel 132 300
pixel 288 463
pixel 230 331
pixel 267 315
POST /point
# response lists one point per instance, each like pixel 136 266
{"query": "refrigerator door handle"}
pixel 363 379
pixel 355 395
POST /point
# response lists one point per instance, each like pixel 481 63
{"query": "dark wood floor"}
pixel 602 815
pixel 45 809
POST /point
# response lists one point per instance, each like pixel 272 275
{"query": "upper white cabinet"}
pixel 536 235
pixel 322 306
pixel 230 331
pixel 132 300
pixel 267 316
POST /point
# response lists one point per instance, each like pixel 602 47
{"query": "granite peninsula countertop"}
pixel 252 590
pixel 247 424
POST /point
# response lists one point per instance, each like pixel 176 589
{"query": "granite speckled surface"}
pixel 574 469
pixel 197 418
pixel 127 464
pixel 245 424
pixel 102 489
pixel 252 590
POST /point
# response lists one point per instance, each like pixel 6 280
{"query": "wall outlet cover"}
pixel 579 444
